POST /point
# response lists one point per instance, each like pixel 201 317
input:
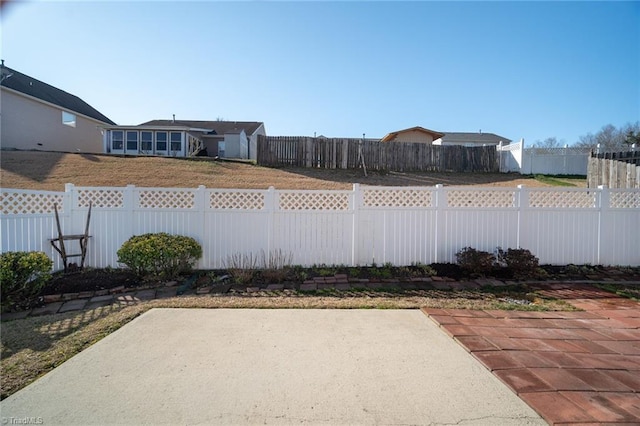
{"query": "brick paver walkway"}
pixel 571 367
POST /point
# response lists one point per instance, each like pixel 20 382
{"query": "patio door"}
pixel 146 142
pixel 116 142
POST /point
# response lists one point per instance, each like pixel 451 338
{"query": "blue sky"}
pixel 527 70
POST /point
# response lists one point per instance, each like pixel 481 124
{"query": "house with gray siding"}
pixel 38 116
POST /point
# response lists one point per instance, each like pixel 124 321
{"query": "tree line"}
pixel 609 137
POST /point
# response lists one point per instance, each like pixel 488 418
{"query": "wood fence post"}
pixel 345 154
pixel 308 144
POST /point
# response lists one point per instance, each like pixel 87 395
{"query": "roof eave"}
pixel 51 104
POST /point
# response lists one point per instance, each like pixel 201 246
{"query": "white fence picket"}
pixel 398 225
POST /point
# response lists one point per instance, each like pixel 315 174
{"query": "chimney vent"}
pixel 174 118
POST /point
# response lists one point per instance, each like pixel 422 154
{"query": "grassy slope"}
pixel 51 171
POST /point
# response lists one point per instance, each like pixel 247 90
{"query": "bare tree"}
pixel 612 139
pixel 551 142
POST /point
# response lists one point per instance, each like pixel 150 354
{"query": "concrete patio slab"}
pixel 189 366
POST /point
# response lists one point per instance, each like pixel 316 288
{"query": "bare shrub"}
pixel 241 267
pixel 273 267
pixel 276 266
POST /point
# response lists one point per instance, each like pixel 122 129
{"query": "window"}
pixel 132 141
pixel 146 141
pixel 117 140
pixel 68 119
pixel 161 141
pixel 176 142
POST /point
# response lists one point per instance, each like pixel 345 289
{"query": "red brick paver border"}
pixel 571 367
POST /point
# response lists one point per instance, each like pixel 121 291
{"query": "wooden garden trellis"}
pixel 59 245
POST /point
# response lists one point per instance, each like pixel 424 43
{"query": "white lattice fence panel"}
pixel 29 203
pixel 562 199
pixel 314 201
pixel 510 147
pixel 156 199
pixel 236 200
pixel 481 198
pixel 101 198
pixel 397 198
pixel 625 200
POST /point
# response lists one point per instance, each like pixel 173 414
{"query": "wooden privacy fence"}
pixel 614 170
pixel 340 153
pixel 399 225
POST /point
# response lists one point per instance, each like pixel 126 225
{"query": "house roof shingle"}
pixel 474 137
pixel 30 86
pixel 220 127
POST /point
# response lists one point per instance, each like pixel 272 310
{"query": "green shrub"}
pixel 475 261
pixel 160 256
pixel 23 275
pixel 521 262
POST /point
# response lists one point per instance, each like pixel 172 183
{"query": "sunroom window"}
pixel 132 141
pixel 161 141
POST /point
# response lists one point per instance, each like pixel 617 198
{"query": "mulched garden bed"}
pixel 90 279
pixel 104 279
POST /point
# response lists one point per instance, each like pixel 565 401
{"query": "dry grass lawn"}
pixel 51 171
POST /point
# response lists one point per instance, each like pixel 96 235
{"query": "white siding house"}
pixel 184 138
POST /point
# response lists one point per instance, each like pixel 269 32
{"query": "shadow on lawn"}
pixel 41 333
pixel 32 165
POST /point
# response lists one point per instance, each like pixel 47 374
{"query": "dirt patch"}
pixel 51 171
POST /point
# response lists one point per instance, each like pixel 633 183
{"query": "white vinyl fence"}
pixel 400 225
pixel 547 161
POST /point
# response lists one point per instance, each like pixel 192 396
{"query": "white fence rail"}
pixel 547 161
pixel 399 225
